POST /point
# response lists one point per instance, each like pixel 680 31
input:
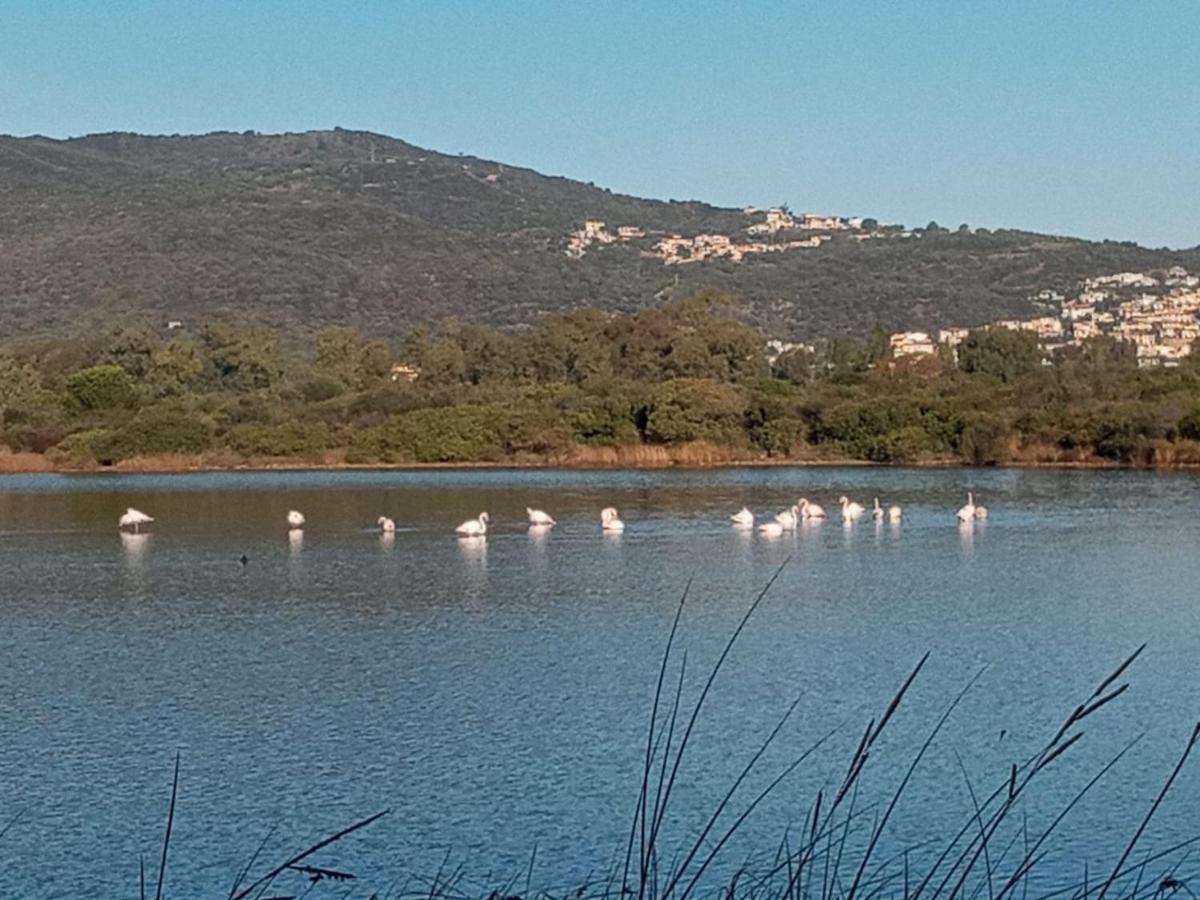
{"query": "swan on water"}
pixel 610 521
pixel 893 513
pixel 788 519
pixel 967 513
pixel 295 519
pixel 770 529
pixel 850 510
pixel 743 518
pixel 539 518
pixel 386 525
pixel 981 512
pixel 134 518
pixel 810 510
pixel 474 527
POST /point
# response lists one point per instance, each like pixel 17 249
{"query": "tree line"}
pixel 672 376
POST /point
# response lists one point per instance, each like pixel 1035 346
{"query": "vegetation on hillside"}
pixel 306 231
pixel 684 375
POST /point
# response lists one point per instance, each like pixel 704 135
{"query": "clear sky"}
pixel 1076 118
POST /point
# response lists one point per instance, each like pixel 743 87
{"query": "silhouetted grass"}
pixel 833 851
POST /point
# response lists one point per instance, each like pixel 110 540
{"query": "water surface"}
pixel 494 694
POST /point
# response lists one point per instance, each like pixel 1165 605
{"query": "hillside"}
pixel 305 230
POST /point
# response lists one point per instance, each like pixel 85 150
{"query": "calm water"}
pixel 494 695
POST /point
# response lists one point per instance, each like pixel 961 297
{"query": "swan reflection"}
pixel 474 552
pixel 134 545
pixel 966 535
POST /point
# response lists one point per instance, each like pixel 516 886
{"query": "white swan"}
pixel 610 520
pixel 538 518
pixel 743 518
pixel 850 510
pixel 295 519
pixel 789 518
pixel 981 512
pixel 386 525
pixel 877 512
pixel 474 527
pixel 770 529
pixel 967 513
pixel 810 510
pixel 895 513
pixel 134 518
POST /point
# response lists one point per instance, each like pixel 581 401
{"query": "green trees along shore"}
pixel 686 382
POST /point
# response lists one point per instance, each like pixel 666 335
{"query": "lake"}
pixel 495 694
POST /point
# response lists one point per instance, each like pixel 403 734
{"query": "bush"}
pixel 1001 353
pixel 102 388
pixel 693 410
pixel 320 388
pixel 297 439
pixel 454 434
pixel 877 430
pixel 984 440
pixel 605 421
pixel 780 436
pixel 152 431
pixel 1189 426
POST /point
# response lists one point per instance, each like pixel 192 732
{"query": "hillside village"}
pixel 774 230
pixel 1160 316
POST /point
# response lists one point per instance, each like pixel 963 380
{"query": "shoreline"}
pixel 37 464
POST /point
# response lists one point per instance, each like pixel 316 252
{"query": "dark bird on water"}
pixel 244 559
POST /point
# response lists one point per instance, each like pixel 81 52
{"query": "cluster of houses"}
pixel 1160 317
pixel 677 249
pixel 778 219
pixel 674 249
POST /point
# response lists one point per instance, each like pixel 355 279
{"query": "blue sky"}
pixel 1075 118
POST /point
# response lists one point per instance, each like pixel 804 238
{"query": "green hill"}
pixel 301 231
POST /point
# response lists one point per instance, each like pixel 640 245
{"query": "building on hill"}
pixel 952 337
pixel 911 343
pixel 1123 279
pixel 1045 328
pixel 778 219
pixel 405 372
pixel 820 222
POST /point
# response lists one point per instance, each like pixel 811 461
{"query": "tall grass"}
pixel 13 462
pixel 832 851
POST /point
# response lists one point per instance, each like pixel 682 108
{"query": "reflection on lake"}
pixel 496 689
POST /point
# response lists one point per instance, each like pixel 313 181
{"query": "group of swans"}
pixel 972 511
pixel 805 510
pixel 540 521
pixel 610 521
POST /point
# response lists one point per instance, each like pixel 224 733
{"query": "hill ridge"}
pixel 338 226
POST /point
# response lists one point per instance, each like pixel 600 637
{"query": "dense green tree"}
pixel 352 358
pixel 102 388
pixel 685 371
pixel 999 352
pixel 244 358
pixel 694 409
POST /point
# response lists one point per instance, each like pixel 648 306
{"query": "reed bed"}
pixel 14 463
pixel 696 454
pixel 832 850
